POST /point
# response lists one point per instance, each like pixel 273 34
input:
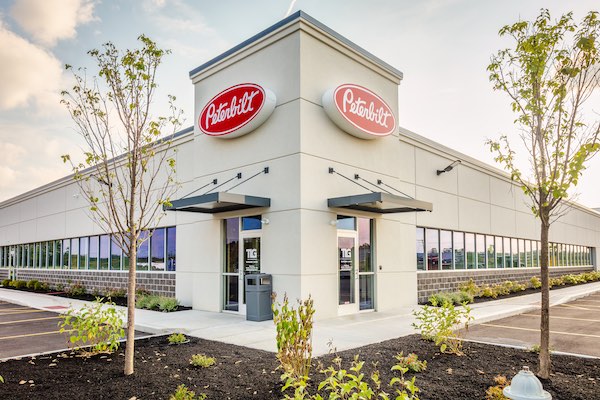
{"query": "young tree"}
pixel 549 75
pixel 128 169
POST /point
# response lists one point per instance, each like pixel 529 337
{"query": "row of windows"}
pixel 443 249
pixel 101 252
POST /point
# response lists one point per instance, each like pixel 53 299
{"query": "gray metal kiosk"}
pixel 258 297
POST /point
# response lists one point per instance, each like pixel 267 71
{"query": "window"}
pixel 93 256
pixel 522 256
pixel 142 252
pixel 470 250
pixel 31 260
pixel 433 245
pixel 459 250
pixel 499 252
pixel 343 222
pixel 104 252
pixel 58 254
pixel 74 253
pixel 157 250
pixel 83 252
pixel 507 253
pixel 491 254
pixel 66 253
pixel 480 246
pixel 528 254
pixel 115 254
pixel 446 246
pixel 420 249
pixel 515 252
pixel 171 248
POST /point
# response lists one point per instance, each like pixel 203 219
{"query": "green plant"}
pixel 177 338
pixel 462 297
pixel 31 284
pixel 140 291
pixel 5 282
pixel 440 298
pixel 19 284
pixel 495 392
pixel 470 287
pixel 40 286
pixel 411 362
pixel 294 340
pixel 113 293
pixel 183 393
pixel 168 304
pixel 76 289
pixel 201 360
pixel 487 291
pixel 535 282
pixel 347 384
pixel 438 324
pixel 60 287
pixel 95 325
pixel 148 301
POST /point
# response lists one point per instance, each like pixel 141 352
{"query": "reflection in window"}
pixel 94 247
pixel 142 252
pixel 157 250
pixel 420 249
pixel 522 257
pixel 459 250
pixel 499 252
pixel 515 252
pixel 346 223
pixel 171 248
pixel 433 245
pixel 104 252
pixel 66 253
pixel 251 223
pixel 491 254
pixel 74 253
pixel 480 245
pixel 115 254
pixel 446 246
pixel 470 249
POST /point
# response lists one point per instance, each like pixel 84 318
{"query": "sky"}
pixel 442 46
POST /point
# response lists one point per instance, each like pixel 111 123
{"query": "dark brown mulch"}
pixel 242 373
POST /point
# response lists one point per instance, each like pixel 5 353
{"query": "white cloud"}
pixel 27 72
pixel 49 21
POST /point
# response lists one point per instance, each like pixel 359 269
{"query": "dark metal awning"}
pixel 379 202
pixel 218 202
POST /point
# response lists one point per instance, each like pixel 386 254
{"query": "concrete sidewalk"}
pixel 344 333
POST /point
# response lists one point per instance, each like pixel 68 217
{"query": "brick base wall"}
pixel 161 283
pixel 430 282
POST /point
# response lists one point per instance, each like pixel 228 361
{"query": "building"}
pixel 300 170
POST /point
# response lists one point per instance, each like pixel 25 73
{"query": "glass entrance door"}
pixel 347 273
pixel 250 250
pixel 356 275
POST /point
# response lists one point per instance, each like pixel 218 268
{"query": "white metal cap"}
pixel 526 386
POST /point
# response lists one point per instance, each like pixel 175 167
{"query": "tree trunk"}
pixel 545 365
pixel 130 343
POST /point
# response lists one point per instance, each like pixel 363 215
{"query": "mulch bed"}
pixel 243 373
pixel 119 301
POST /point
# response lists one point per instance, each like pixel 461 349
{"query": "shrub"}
pixel 5 282
pixel 40 286
pixel 487 291
pixel 113 293
pixel 495 392
pixel 60 287
pixel 573 279
pixel 140 291
pixel 95 325
pixel 201 360
pixel 177 338
pixel 76 289
pixel 148 301
pixel 183 393
pixel 411 362
pixel 470 287
pixel 535 282
pixel 440 298
pixel 462 298
pixel 167 304
pixel 294 338
pixel 438 323
pixel 31 284
pixel 19 284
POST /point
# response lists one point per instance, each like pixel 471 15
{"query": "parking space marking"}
pixel 537 330
pixel 27 320
pixel 571 306
pixel 593 301
pixel 574 319
pixel 35 334
pixel 26 311
pixel 12 309
pixel 589 305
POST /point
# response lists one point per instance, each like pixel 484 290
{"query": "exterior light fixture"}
pixel 76 195
pixel 526 386
pixel 265 221
pixel 448 168
pixel 333 222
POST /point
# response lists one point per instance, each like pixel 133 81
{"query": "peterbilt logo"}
pixel 236 111
pixel 359 111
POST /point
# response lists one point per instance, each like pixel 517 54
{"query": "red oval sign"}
pixel 236 110
pixel 359 111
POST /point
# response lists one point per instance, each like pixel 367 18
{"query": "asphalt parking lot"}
pixel 574 328
pixel 25 330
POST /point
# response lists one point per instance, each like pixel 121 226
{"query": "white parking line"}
pixel 537 330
